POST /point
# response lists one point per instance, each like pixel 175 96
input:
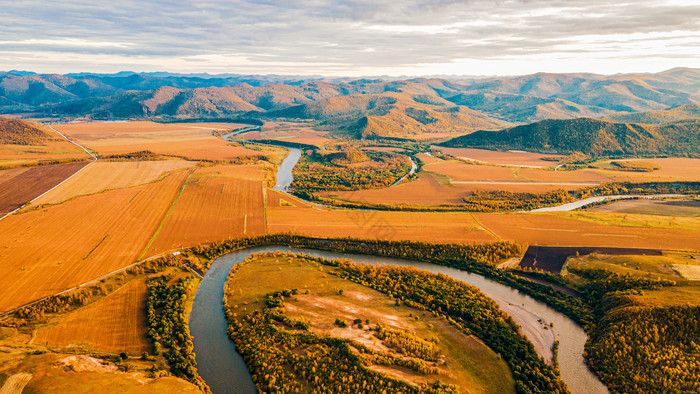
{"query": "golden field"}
pixel 115 324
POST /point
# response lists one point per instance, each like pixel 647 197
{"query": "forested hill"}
pixel 19 132
pixel 593 137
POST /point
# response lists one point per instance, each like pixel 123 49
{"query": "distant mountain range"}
pixel 361 107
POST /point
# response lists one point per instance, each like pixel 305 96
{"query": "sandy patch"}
pixel 86 363
pixel 690 272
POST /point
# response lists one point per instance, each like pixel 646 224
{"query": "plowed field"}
pixel 29 184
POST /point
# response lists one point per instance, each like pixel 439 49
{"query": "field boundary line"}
pixel 94 159
pixel 167 214
pixel 488 230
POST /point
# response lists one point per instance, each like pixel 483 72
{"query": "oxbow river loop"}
pixel 223 369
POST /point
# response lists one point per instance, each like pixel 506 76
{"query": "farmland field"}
pixel 29 184
pixel 214 208
pixel 289 132
pixel 652 207
pixel 509 158
pixel 438 227
pixel 116 324
pixel 102 176
pixel 182 140
pixel 53 148
pixel 108 231
pixel 559 230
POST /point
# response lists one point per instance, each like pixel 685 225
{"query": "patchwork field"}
pixel 48 250
pixel 102 176
pixel 213 207
pixel 188 140
pixel 26 185
pixel 116 324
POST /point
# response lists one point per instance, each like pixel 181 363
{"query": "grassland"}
pixel 115 324
pixel 69 373
pixel 465 361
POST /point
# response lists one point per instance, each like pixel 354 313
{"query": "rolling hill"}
pixel 19 132
pixel 391 114
pixel 681 112
pixel 594 137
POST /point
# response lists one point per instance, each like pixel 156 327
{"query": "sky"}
pixel 350 37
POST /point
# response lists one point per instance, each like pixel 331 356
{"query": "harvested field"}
pixel 29 184
pixel 244 171
pixel 420 226
pixel 182 140
pixel 103 176
pixel 116 324
pixel 672 170
pixel 652 207
pixel 213 208
pixel 426 190
pixel 460 171
pixel 553 258
pixel 555 230
pixel 509 158
pixel 48 250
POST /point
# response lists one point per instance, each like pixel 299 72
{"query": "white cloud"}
pixel 349 37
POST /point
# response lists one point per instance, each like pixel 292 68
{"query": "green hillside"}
pixel 593 137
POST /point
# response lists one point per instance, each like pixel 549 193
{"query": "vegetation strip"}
pixel 95 247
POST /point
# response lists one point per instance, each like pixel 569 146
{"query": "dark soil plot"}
pixel 552 258
pixel 30 184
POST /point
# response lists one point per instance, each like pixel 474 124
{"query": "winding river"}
pixel 225 371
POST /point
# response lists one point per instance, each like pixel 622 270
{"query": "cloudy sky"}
pixel 350 37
